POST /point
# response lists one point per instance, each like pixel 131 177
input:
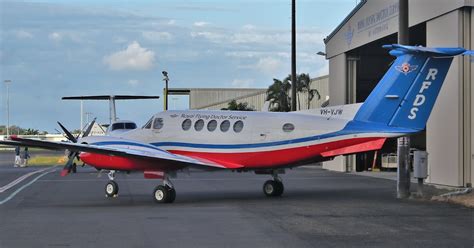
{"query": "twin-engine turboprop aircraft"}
pixel 268 142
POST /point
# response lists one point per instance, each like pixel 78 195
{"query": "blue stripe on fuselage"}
pixel 353 127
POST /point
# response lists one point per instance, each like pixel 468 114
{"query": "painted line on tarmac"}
pixel 25 186
pixel 20 179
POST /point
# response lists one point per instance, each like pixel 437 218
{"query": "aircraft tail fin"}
pixel 406 94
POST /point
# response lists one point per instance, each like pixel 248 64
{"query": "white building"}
pixel 357 62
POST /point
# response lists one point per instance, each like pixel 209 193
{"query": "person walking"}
pixel 17 157
pixel 26 156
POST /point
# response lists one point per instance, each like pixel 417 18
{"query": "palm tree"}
pixel 277 94
pixel 241 106
pixel 303 84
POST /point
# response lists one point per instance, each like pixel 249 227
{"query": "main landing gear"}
pixel 165 193
pixel 162 194
pixel 273 187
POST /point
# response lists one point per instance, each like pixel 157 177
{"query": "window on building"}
pixel 212 125
pixel 225 126
pixel 288 127
pixel 158 123
pixel 238 126
pixel 186 125
pixel 198 126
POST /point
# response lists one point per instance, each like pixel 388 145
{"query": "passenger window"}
pixel 238 126
pixel 212 125
pixel 186 125
pixel 199 125
pixel 158 123
pixel 288 127
pixel 148 124
pixel 225 126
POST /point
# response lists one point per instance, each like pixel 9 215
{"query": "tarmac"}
pixel 221 209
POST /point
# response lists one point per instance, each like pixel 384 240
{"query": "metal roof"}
pixel 348 17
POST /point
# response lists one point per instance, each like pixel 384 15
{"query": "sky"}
pixel 50 49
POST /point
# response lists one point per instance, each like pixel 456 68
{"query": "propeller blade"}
pixel 89 128
pixel 68 166
pixel 68 134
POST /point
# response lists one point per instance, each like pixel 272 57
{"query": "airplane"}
pixel 267 142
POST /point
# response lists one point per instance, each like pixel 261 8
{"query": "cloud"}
pixel 211 36
pixel 134 57
pixel 171 22
pixel 201 24
pixel 269 65
pixel 242 83
pixel 133 82
pixel 55 36
pixel 22 34
pixel 157 36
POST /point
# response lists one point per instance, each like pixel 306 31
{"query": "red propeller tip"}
pixel 64 172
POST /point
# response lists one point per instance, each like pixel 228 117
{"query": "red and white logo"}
pixel 406 68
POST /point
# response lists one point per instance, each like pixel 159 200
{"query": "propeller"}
pixel 72 155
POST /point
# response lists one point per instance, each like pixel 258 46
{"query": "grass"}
pixel 47 160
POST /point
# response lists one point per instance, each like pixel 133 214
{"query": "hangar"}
pixel 357 62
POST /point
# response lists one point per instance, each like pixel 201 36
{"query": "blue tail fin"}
pixel 406 94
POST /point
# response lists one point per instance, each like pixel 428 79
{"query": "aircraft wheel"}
pixel 280 188
pixel 111 189
pixel 164 194
pixel 172 192
pixel 273 188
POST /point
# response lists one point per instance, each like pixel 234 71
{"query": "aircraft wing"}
pixel 172 161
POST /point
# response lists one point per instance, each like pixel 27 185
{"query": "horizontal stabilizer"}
pixel 109 97
pixel 441 51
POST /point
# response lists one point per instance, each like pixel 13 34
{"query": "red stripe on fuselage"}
pixel 232 160
pixel 281 157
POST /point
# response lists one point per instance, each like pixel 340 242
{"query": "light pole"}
pixel 166 79
pixel 7 83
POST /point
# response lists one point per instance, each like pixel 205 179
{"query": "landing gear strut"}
pixel 273 187
pixel 111 188
pixel 165 193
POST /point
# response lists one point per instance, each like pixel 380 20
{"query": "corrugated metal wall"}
pixel 215 99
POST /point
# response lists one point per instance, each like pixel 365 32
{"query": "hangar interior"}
pixel 357 62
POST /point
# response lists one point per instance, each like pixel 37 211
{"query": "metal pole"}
pixel 403 153
pixel 7 83
pixel 166 93
pixel 293 55
pixel 82 116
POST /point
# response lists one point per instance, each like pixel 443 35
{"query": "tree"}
pixel 277 94
pixel 303 85
pixel 241 106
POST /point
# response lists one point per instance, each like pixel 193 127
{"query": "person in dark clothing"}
pixel 26 156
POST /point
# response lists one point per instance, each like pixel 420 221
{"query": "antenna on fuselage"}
pixel 111 99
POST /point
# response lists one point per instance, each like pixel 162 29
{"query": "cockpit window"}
pixel 130 125
pixel 158 123
pixel 124 126
pixel 148 124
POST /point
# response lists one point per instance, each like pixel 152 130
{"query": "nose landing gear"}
pixel 111 188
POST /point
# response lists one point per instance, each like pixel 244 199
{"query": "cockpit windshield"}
pixel 148 124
